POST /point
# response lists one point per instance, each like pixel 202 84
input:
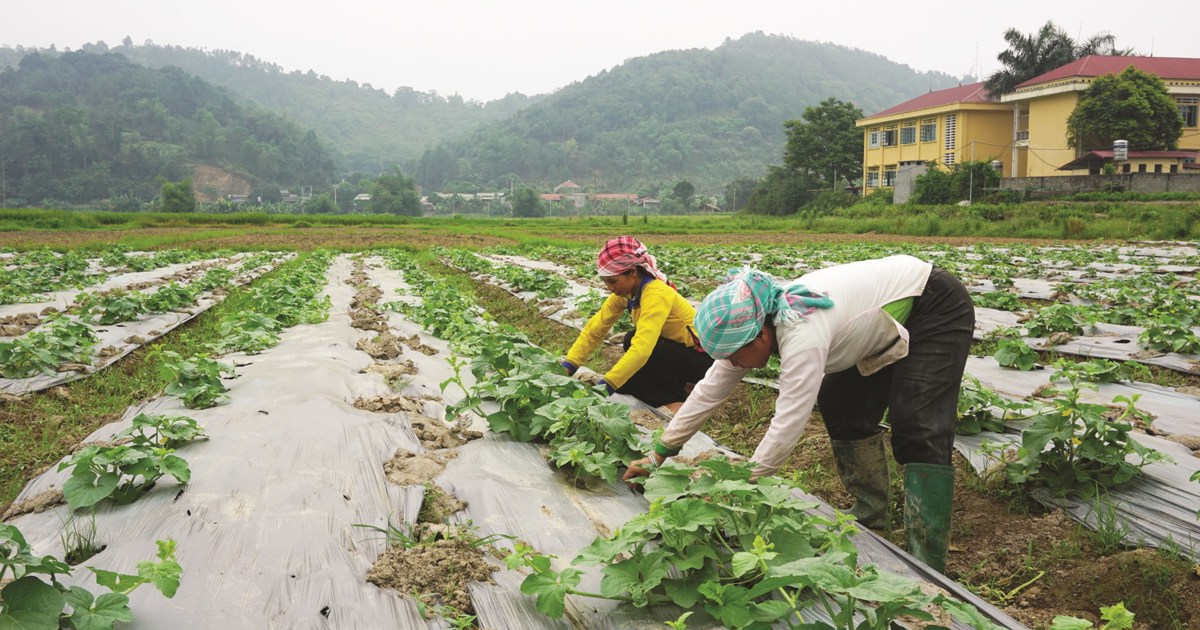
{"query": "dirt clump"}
pixel 414 342
pixel 644 418
pixel 366 319
pixel 435 434
pixel 19 324
pixel 365 296
pixel 438 505
pixel 136 340
pixel 440 571
pixel 414 469
pixel 35 504
pixel 392 370
pixel 385 345
pixel 390 404
pixel 107 352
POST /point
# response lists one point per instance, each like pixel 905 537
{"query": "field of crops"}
pixel 357 440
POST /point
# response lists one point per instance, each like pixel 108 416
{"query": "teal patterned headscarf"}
pixel 733 314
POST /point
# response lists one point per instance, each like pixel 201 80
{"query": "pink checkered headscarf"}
pixel 624 253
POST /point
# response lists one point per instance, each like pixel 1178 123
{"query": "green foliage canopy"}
pixel 825 141
pixel 395 194
pixel 1133 106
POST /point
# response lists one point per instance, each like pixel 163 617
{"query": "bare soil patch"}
pixel 435 434
pixel 385 345
pixel 391 404
pixel 35 504
pixel 414 469
pixel 17 325
pixel 414 342
pixel 440 572
pixel 366 319
pixel 392 370
pixel 438 505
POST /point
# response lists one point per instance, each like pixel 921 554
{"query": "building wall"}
pixel 989 127
pixel 1048 148
pixel 1137 182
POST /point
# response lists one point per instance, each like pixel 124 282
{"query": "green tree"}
pixel 394 194
pixel 527 203
pixel 178 196
pixel 825 142
pixel 962 181
pixel 783 191
pixel 738 191
pixel 321 204
pixel 684 192
pixel 1133 106
pixel 1038 53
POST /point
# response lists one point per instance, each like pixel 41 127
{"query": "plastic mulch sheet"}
pixel 125 337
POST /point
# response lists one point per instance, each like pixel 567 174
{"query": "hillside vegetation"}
pixel 707 116
pixel 366 129
pixel 81 127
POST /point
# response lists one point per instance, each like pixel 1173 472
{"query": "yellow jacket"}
pixel 661 313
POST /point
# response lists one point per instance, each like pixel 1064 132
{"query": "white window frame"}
pixel 873 177
pixel 873 138
pixel 909 130
pixel 1189 110
pixel 951 135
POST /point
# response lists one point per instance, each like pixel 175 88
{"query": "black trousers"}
pixel 669 369
pixel 919 392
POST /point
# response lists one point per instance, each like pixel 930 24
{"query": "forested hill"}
pixel 367 129
pixel 707 116
pixel 79 127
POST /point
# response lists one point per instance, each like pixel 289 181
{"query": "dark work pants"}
pixel 669 369
pixel 919 392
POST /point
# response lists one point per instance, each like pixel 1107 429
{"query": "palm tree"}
pixel 1030 55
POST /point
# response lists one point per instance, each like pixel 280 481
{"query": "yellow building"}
pixel 1042 105
pixel 946 127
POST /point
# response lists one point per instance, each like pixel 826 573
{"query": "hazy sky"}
pixel 483 50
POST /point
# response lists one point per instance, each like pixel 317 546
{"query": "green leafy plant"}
pixel 29 602
pixel 1015 353
pixel 1067 318
pixel 1113 617
pixel 1171 334
pixel 196 380
pixel 750 553
pixel 1002 300
pixel 123 473
pixel 43 352
pixel 170 432
pixel 1100 371
pixel 247 331
pixel 977 405
pixel 112 307
pixel 1074 445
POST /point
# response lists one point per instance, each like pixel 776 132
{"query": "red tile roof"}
pixel 1099 65
pixel 972 93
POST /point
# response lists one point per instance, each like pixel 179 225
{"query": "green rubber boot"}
pixel 862 465
pixel 928 498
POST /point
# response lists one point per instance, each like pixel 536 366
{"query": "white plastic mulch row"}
pixel 266 529
pixel 122 336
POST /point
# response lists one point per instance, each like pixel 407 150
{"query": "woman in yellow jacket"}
pixel 662 357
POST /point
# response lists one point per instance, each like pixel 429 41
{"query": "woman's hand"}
pixel 641 468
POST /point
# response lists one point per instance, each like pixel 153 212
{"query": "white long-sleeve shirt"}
pixel 855 331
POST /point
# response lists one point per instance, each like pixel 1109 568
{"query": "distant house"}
pixel 568 186
pixel 615 197
pixel 1139 162
pixel 550 197
pixel 362 197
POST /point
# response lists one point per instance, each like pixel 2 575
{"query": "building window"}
pixel 873 177
pixel 889 176
pixel 1158 168
pixel 1125 167
pixel 929 130
pixel 889 136
pixel 948 159
pixel 1141 168
pixel 1174 168
pixel 951 131
pixel 908 134
pixel 873 139
pixel 1188 109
